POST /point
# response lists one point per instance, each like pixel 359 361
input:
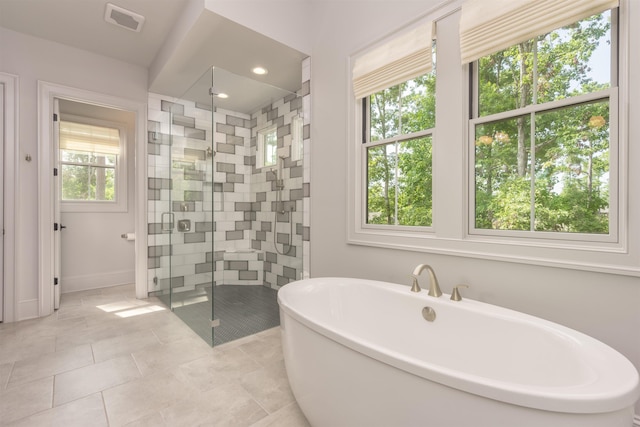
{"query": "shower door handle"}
pixel 167 226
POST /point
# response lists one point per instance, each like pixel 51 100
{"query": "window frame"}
pixel 396 139
pixel 616 197
pixel 120 204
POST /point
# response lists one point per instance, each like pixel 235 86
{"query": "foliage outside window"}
pixel 398 145
pixel 88 160
pixel 542 131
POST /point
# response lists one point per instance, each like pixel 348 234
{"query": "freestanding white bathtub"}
pixel 359 353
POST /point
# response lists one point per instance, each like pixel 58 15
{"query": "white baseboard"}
pixel 96 281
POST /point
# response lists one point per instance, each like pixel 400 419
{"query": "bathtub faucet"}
pixel 434 288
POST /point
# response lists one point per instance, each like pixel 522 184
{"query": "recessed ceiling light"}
pixel 260 71
pixel 222 95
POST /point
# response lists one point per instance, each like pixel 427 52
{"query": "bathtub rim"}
pixel 586 398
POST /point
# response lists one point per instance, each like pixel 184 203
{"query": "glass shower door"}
pixel 182 187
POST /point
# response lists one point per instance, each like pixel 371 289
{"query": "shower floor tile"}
pixel 242 310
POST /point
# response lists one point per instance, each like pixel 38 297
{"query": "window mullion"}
pixel 532 169
pixel 395 210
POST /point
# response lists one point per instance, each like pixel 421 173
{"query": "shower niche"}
pixel 228 198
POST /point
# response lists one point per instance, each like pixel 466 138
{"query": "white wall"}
pixel 606 306
pixel 34 59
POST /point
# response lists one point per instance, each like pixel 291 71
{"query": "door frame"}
pixel 47 92
pixel 11 195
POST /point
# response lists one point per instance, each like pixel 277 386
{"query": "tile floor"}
pixel 107 359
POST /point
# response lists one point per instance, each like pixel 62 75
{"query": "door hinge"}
pixel 55 226
pixel 55 171
pixel 55 117
pixel 55 280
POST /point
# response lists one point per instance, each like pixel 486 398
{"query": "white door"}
pixel 57 233
pixel 1 202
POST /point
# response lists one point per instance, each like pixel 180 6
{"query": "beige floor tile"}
pixel 88 411
pixel 5 371
pixel 152 420
pixel 51 326
pixel 26 400
pixel 233 361
pixel 289 416
pixel 143 397
pixel 203 374
pixel 265 349
pixel 77 311
pixel 85 381
pixel 50 364
pixel 162 357
pixel 122 345
pixel 17 348
pixel 269 387
pixel 228 406
pixel 172 331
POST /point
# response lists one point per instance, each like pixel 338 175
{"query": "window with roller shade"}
pixel 90 157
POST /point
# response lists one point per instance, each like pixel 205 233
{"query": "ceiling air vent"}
pixel 123 18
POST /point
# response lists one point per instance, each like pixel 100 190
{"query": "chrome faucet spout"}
pixel 434 287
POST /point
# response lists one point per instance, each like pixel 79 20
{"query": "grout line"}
pixel 104 406
pixel 6 383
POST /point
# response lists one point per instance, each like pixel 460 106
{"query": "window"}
pixel 92 176
pixel 398 139
pixel 394 85
pixel 267 147
pixel 297 126
pixel 544 137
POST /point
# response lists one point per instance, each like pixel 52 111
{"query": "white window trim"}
pixel 120 204
pixel 450 232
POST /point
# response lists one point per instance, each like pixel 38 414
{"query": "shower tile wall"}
pixel 243 196
pixel 278 234
pixel 177 192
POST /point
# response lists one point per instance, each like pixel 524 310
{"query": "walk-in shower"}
pixel 226 228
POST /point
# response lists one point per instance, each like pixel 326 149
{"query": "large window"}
pixel 398 142
pixel 544 136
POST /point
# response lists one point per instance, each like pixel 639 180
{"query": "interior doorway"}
pixel 97 226
pixel 95 197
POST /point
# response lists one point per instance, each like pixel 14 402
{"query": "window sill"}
pixel 603 258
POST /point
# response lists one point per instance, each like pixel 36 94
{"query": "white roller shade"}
pixel 89 138
pixel 403 57
pixel 489 26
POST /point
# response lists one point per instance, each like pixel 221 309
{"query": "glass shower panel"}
pixel 181 229
pixel 226 230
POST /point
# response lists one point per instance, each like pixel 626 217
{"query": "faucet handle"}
pixel 455 295
pixel 415 287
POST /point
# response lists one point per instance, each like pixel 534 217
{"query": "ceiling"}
pixel 81 24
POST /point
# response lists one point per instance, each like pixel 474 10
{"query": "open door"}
pixel 57 226
pixel 2 142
